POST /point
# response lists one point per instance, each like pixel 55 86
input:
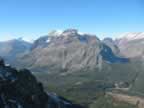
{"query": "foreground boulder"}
pixel 20 89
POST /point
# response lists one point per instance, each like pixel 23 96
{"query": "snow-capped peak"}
pixel 132 36
pixel 48 40
pixel 55 33
pixel 70 32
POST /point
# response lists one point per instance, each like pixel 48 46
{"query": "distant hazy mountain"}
pixel 131 44
pixel 68 50
pixel 9 50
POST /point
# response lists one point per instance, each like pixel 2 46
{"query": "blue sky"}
pixel 33 18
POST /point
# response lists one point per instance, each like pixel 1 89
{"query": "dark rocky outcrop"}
pixel 20 89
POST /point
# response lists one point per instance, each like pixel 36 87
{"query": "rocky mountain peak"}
pixel 70 32
pixel 54 33
pixel 64 38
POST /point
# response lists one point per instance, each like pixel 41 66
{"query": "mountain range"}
pixel 68 50
pixel 70 63
pixel 128 45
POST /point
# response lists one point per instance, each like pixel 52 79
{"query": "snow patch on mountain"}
pixel 48 40
pixel 129 36
pixel 55 33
